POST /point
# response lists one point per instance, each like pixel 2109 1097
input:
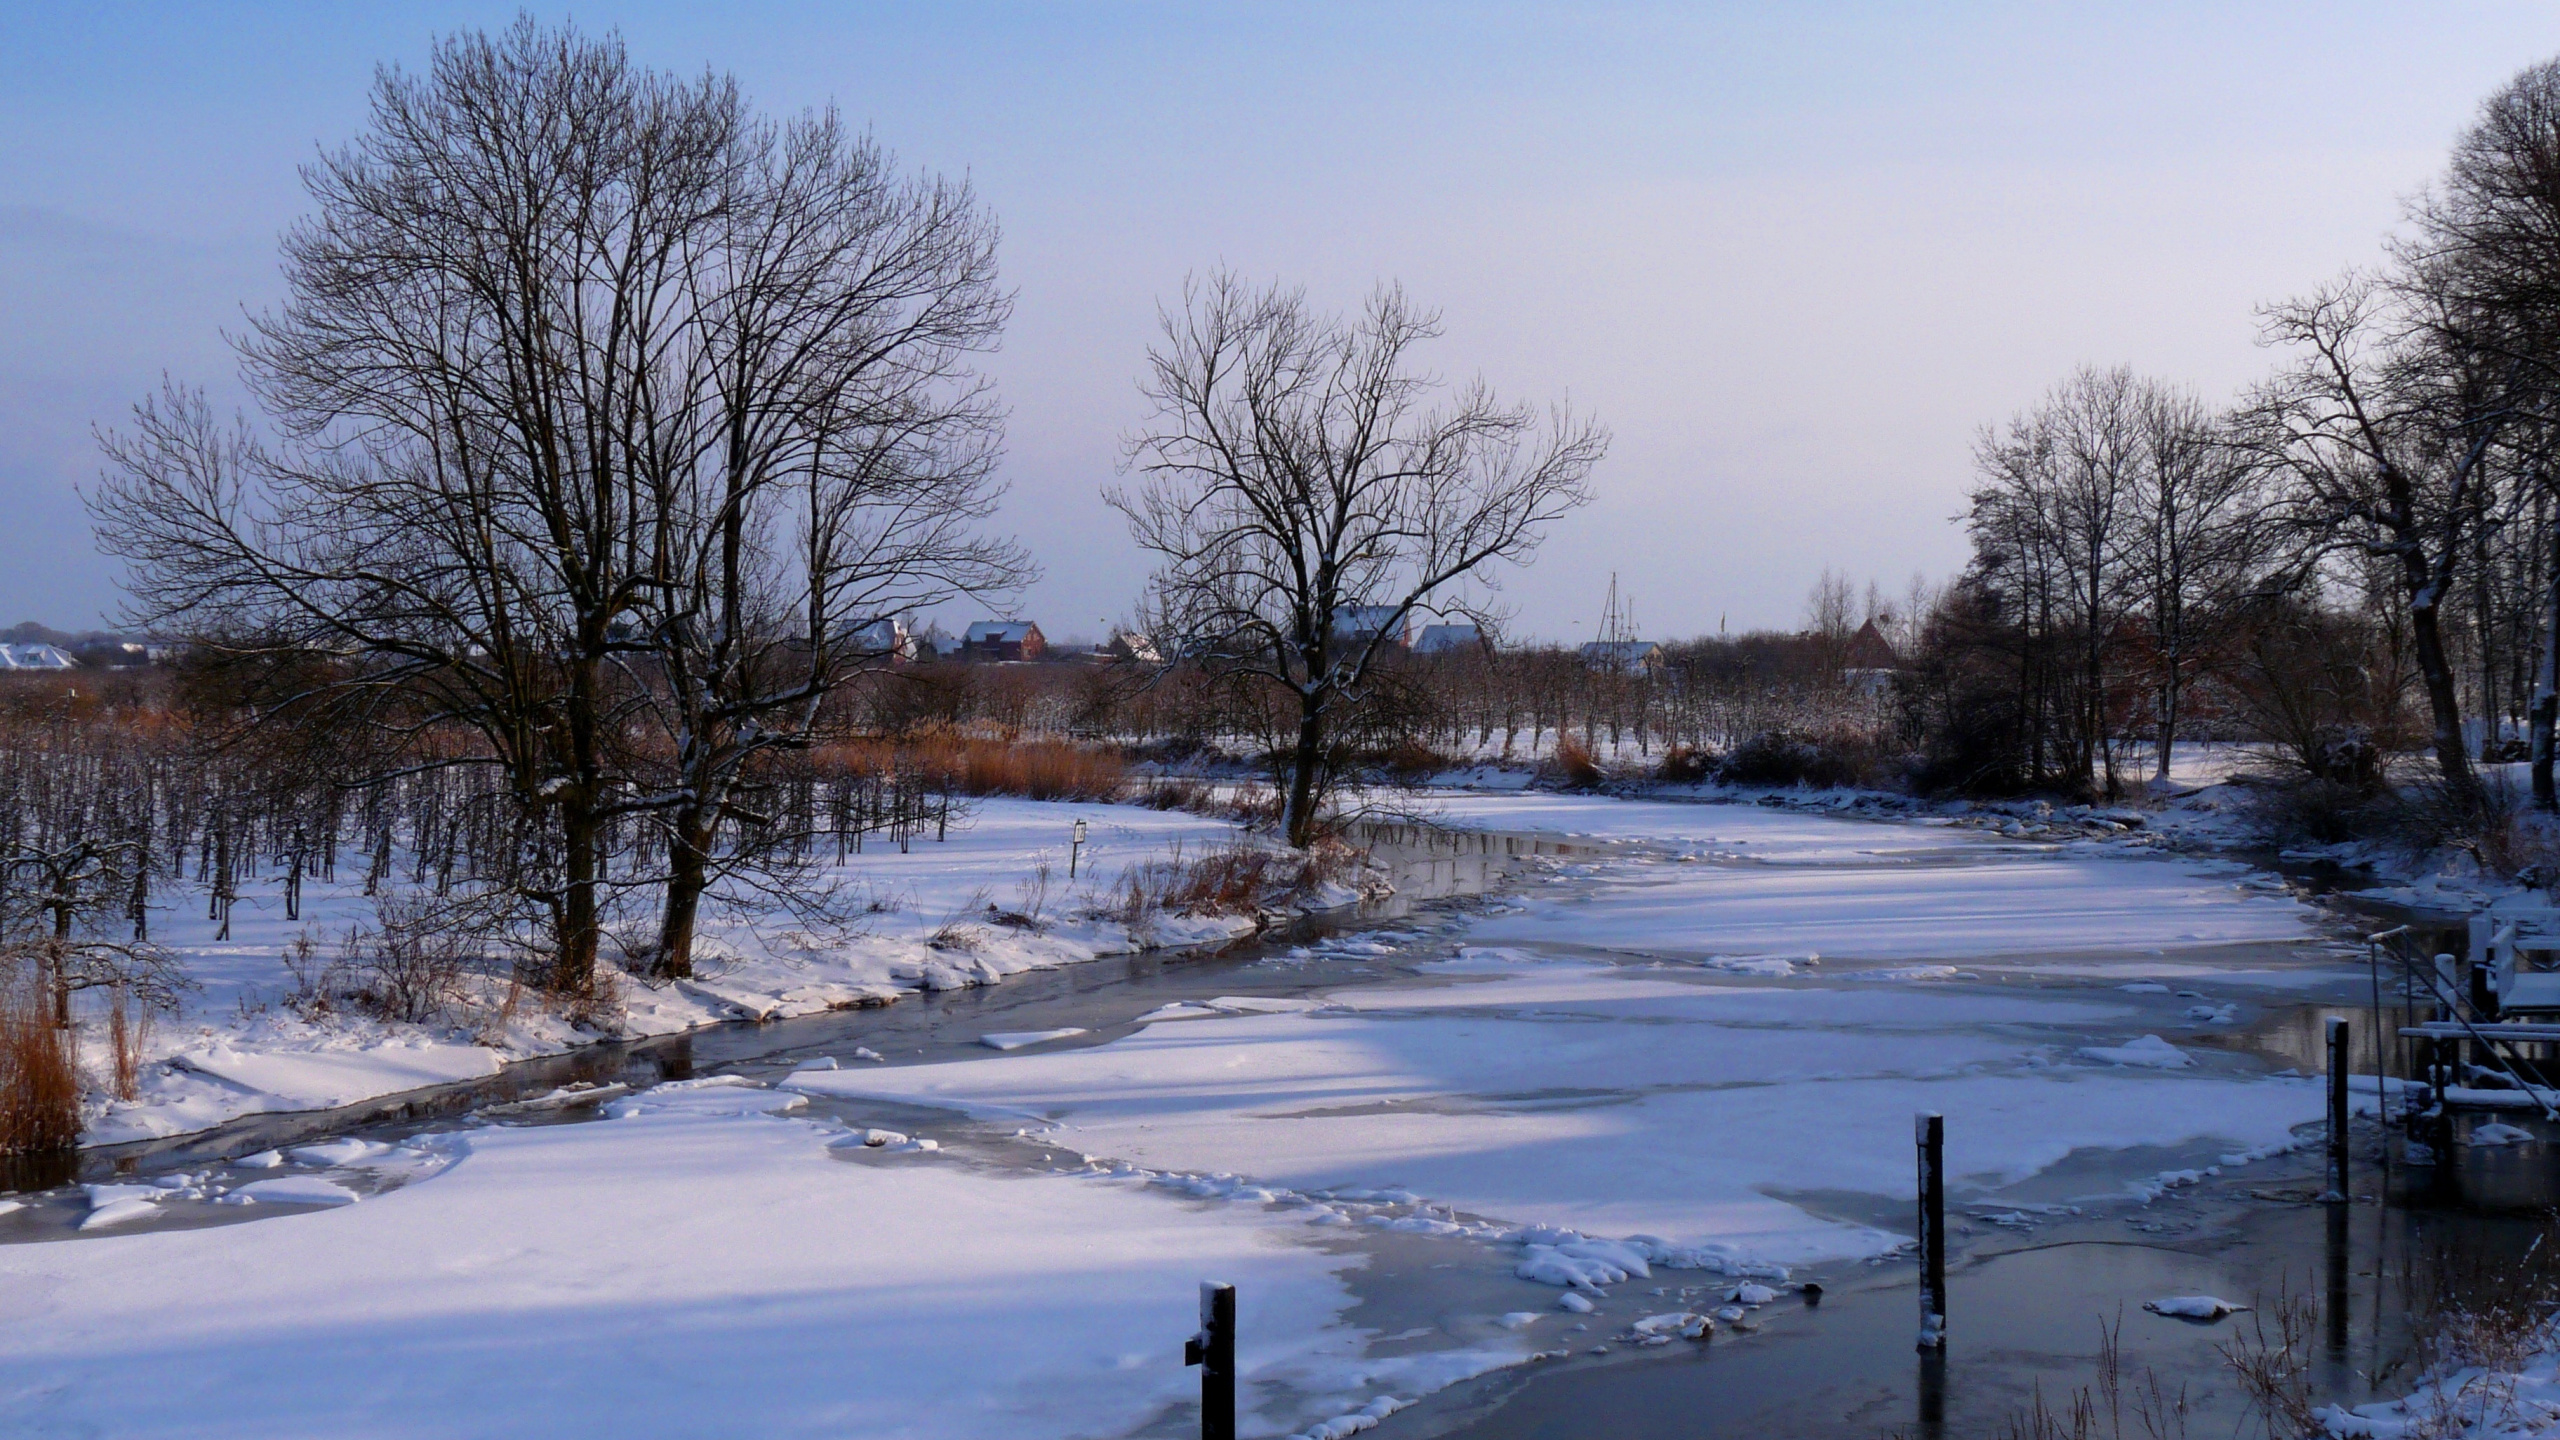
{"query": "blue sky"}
pixel 1793 255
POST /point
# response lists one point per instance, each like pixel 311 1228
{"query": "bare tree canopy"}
pixel 1309 491
pixel 603 417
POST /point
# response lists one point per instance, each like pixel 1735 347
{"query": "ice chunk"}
pixel 298 1190
pixel 2193 1307
pixel 1685 1323
pixel 1752 1295
pixel 1575 1301
pixel 1017 1039
pixel 2496 1133
pixel 865 1052
pixel 118 1212
pixel 263 1160
pixel 1520 1319
pixel 338 1152
pixel 2150 1052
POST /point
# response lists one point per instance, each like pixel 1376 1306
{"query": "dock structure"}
pixel 2482 1027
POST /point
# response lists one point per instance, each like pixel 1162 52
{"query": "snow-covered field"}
pixel 239 1049
pixel 1694 1059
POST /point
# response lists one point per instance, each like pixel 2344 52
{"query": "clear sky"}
pixel 1793 255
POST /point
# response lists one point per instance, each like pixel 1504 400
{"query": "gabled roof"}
pixel 35 657
pixel 999 632
pixel 1453 636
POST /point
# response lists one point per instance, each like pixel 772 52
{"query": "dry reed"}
pixel 39 1076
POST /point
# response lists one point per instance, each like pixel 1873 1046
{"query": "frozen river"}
pixel 1639 1080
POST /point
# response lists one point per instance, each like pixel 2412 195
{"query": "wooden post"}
pixel 1213 1349
pixel 1930 1132
pixel 2337 1109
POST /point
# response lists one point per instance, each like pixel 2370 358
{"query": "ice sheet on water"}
pixel 2496 1133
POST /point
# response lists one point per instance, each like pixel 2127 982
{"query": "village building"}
pixel 1012 640
pixel 1360 624
pixel 36 657
pixel 1622 657
pixel 1448 638
pixel 1870 663
pixel 889 639
pixel 1131 645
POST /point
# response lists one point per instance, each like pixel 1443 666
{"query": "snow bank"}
pixel 238 1051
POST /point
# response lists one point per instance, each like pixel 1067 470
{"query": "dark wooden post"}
pixel 1930 1132
pixel 2337 1109
pixel 1213 1349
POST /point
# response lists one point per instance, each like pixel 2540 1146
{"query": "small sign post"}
pixel 1075 847
pixel 1930 1133
pixel 1213 1349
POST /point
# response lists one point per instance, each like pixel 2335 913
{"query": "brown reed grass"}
pixel 39 1076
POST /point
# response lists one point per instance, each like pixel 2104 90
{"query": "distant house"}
pixel 1869 664
pixel 1131 645
pixel 36 657
pixel 888 639
pixel 1360 624
pixel 1003 640
pixel 1444 639
pixel 1622 657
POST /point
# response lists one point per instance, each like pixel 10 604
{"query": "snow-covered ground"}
pixel 699 1265
pixel 1695 1058
pixel 239 1049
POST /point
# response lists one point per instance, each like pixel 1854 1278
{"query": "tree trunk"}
pixel 581 923
pixel 2444 707
pixel 2546 690
pixel 2168 720
pixel 688 871
pixel 1299 822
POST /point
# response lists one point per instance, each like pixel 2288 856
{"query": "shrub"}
pixel 1777 758
pixel 1575 767
pixel 2308 810
pixel 1410 762
pixel 1685 765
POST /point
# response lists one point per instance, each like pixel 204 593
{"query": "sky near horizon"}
pixel 1793 256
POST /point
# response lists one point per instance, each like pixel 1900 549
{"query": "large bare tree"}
pixel 1309 491
pixel 600 418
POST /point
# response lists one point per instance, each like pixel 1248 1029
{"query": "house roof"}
pixel 1000 632
pixel 1869 650
pixel 1446 637
pixel 35 657
pixel 1363 617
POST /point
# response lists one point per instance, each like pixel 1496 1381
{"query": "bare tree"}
pixel 814 468
pixel 1296 466
pixel 2385 434
pixel 443 504
pixel 2193 544
pixel 2489 233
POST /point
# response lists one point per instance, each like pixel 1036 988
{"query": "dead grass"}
pixel 128 1030
pixel 1236 877
pixel 39 1077
pixel 970 765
